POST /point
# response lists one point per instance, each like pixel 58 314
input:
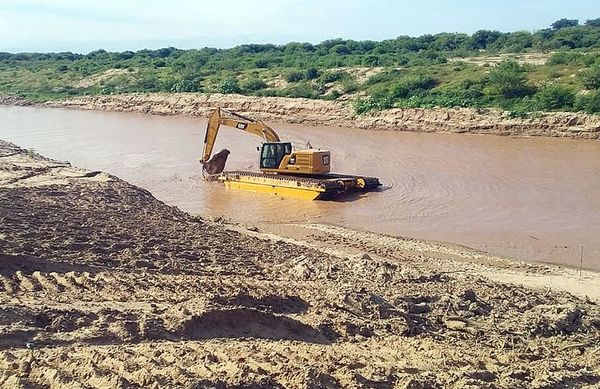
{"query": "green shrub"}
pixel 469 93
pixel 148 83
pixel 330 77
pixel 334 94
pixel 508 79
pixel 372 103
pixel 228 85
pixel 589 103
pixel 302 89
pixel 553 97
pixel 384 77
pixel 294 76
pixel 590 78
pixel 190 83
pixel 563 58
pixel 312 73
pixel 261 63
pixel 253 84
pixel 409 86
pixel 349 86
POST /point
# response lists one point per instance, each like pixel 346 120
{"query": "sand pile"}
pixel 102 285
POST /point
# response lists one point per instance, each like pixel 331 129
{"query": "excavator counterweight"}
pixel 284 171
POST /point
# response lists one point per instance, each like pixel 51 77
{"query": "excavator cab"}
pixel 272 154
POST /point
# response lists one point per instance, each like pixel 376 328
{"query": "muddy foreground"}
pixel 102 285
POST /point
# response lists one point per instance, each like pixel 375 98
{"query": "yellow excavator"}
pixel 284 171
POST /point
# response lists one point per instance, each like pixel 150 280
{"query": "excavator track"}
pixel 285 185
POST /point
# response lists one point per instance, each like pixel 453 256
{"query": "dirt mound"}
pixel 102 285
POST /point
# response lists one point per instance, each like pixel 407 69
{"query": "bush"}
pixel 253 84
pixel 312 73
pixel 590 78
pixel 303 89
pixel 508 79
pixel 563 58
pixel 410 85
pixel 190 83
pixel 334 94
pixel 330 77
pixel 228 85
pixel 294 76
pixel 261 63
pixel 589 103
pixel 469 93
pixel 148 83
pixel 553 97
pixel 349 86
pixel 372 103
pixel 386 76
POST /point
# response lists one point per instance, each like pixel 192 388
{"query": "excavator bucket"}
pixel 216 164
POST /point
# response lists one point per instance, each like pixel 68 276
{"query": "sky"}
pixel 116 25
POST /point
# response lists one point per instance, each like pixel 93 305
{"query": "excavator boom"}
pixel 231 119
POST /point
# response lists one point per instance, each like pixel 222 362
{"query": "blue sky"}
pixel 82 26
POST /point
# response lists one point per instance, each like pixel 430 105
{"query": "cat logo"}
pixel 241 126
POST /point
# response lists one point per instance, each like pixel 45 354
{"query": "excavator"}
pixel 284 171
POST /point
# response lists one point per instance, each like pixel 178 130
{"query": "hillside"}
pixel 554 69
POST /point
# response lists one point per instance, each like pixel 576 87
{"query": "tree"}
pixel 593 22
pixel 340 50
pixel 483 38
pixel 508 79
pixel 564 22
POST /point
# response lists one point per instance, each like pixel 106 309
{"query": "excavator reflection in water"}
pixel 284 171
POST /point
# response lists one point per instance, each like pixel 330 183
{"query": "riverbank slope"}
pixel 102 285
pixel 341 114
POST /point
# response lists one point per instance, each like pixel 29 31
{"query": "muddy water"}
pixel 533 199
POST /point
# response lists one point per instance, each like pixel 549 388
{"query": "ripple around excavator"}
pixel 486 192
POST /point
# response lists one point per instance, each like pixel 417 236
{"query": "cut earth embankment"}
pixel 341 114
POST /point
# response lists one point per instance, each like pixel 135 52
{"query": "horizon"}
pixel 138 25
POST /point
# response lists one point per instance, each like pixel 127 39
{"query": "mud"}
pixel 102 285
pixel 341 114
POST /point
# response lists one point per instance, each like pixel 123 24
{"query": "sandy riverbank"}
pixel 341 114
pixel 102 285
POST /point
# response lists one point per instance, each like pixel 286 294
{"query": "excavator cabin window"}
pixel 272 154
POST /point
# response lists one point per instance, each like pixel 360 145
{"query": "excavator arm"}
pixel 219 117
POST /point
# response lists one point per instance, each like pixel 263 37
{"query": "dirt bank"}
pixel 341 114
pixel 102 285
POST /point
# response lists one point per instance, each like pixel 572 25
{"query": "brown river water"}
pixel 532 199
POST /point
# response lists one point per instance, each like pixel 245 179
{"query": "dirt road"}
pixel 102 285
